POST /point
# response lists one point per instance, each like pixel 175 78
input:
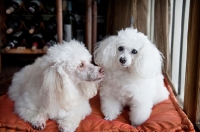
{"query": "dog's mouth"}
pixel 98 79
pixel 125 68
pixel 124 65
pixel 95 80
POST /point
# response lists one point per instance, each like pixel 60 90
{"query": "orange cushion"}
pixel 166 116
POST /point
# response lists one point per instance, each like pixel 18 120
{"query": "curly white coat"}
pixel 133 76
pixel 57 86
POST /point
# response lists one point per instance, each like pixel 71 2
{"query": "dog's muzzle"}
pixel 96 76
pixel 100 74
pixel 123 60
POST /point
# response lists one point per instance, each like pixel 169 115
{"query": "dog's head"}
pixel 68 70
pixel 130 50
pixel 74 60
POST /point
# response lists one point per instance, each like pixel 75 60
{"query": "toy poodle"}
pixel 133 75
pixel 56 86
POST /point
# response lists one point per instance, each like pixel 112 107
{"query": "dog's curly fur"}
pixel 133 75
pixel 57 86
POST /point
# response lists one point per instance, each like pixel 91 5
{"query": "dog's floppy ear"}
pixel 149 60
pixel 59 87
pixel 105 51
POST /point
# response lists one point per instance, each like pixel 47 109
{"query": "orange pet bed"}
pixel 166 116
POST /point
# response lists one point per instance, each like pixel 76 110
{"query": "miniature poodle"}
pixel 57 86
pixel 133 75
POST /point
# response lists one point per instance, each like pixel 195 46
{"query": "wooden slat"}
pixel 59 21
pixel 192 87
pixel 23 51
pixel 134 13
pixel 89 25
pixel 94 24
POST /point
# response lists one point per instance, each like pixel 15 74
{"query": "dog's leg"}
pixel 38 121
pixel 31 114
pixel 110 107
pixel 140 113
pixel 69 121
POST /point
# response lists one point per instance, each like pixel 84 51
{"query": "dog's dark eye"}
pixel 121 48
pixel 81 65
pixel 134 51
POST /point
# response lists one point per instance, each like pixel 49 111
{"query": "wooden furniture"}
pixel 90 29
pixel 19 50
pixel 91 24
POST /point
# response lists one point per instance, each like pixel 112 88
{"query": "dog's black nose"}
pixel 122 60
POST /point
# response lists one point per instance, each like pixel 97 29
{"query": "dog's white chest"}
pixel 119 90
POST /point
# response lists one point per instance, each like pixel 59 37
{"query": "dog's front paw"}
pixel 111 116
pixel 61 129
pixel 107 118
pixel 67 128
pixel 38 122
pixel 39 125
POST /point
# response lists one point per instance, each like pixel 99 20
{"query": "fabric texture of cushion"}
pixel 166 116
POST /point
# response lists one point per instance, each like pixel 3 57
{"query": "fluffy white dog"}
pixel 57 86
pixel 133 77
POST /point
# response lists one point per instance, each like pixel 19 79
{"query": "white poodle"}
pixel 57 86
pixel 133 77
